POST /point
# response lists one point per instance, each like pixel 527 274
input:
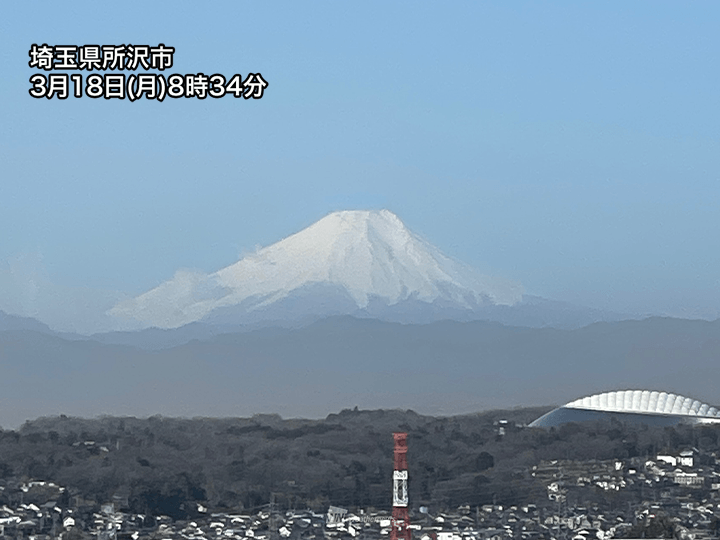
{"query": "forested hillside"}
pixel 166 465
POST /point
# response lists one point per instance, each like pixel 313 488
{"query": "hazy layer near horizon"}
pixel 441 368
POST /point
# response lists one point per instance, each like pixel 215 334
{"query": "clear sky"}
pixel 571 146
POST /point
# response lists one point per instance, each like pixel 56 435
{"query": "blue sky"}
pixel 574 147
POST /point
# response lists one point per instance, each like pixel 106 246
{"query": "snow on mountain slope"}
pixel 367 256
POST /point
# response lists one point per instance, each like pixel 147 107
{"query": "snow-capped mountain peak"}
pixel 353 257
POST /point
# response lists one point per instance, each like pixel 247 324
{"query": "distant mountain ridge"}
pixel 360 263
pixel 445 367
pixel 15 322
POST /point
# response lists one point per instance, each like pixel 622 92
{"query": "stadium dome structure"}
pixel 634 407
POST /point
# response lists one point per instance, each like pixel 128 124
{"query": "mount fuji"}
pixel 362 263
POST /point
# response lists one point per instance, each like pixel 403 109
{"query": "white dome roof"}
pixel 645 401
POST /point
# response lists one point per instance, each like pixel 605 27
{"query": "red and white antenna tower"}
pixel 400 519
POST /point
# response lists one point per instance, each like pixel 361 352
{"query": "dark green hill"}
pixel 167 465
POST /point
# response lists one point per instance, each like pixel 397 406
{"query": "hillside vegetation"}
pixel 166 465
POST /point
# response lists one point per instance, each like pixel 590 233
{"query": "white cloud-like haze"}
pixel 27 290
